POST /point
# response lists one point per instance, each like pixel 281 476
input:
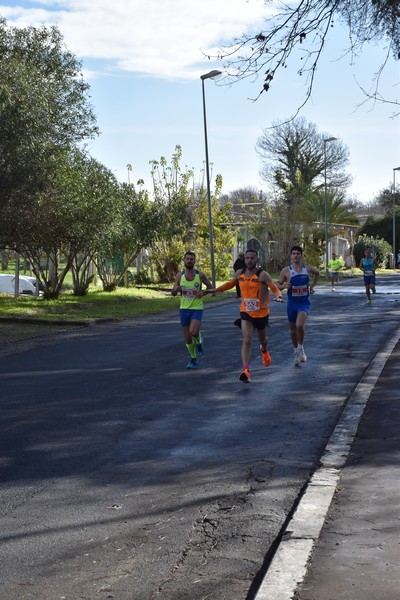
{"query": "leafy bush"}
pixel 381 250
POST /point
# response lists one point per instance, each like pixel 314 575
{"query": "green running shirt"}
pixel 189 291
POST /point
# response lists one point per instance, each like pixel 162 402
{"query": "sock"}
pixel 191 349
pixel 198 339
pixel 246 366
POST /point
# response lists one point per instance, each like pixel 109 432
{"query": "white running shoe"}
pixel 302 355
pixel 297 360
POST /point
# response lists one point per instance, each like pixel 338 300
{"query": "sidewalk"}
pixel 343 540
pixel 357 556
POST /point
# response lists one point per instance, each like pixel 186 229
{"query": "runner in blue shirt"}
pixel 367 266
pixel 296 278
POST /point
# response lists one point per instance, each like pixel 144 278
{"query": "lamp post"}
pixel 210 75
pixel 326 140
pixel 394 215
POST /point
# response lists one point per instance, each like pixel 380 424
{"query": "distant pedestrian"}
pixel 239 264
pixel 367 266
pixel 349 262
pixel 188 283
pixel 296 278
pixel 334 266
pixel 254 310
pixel 398 259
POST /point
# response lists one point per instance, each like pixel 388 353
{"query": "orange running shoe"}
pixel 266 357
pixel 245 376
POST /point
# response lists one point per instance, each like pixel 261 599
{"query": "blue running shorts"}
pixel 187 315
pixel 369 279
pixel 293 309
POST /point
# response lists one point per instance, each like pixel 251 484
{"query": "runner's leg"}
pixel 300 321
pixel 247 333
pixel 190 345
pixel 262 336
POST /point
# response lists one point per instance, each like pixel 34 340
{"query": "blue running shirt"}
pixel 299 290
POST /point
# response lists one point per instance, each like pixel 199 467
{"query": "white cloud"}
pixel 145 117
pixel 162 38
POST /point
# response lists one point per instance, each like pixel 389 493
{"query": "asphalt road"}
pixel 126 476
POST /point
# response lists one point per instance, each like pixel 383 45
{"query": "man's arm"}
pixel 266 278
pixel 228 285
pixel 205 280
pixel 315 273
pixel 177 285
pixel 283 279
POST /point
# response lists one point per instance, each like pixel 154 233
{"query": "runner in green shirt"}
pixel 334 265
pixel 188 283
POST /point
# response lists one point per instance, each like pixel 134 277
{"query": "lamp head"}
pixel 211 75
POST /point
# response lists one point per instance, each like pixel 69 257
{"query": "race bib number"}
pixel 251 304
pixel 299 290
pixel 368 273
pixel 189 293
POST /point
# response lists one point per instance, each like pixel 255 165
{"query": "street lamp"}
pixel 326 140
pixel 210 75
pixel 394 215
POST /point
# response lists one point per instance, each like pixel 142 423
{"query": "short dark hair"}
pixel 189 253
pixel 296 247
pixel 251 250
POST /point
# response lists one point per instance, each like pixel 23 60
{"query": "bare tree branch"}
pixel 300 33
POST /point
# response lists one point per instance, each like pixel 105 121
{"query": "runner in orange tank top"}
pixel 254 309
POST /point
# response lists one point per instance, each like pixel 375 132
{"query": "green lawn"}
pixel 121 304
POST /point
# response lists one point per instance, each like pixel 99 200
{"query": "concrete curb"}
pixel 290 561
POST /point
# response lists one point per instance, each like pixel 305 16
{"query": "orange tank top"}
pixel 254 294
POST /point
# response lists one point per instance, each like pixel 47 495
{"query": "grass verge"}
pixel 121 304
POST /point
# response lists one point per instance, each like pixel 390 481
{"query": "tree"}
pixel 381 249
pixel 249 214
pixel 247 205
pixel 185 224
pixel 44 109
pixel 223 236
pixel 300 31
pixel 382 203
pixel 62 229
pixel 173 197
pixel 294 157
pixel 386 199
pixel 339 210
pixel 382 227
pixel 44 114
pixel 295 160
pixel 91 193
pixel 136 226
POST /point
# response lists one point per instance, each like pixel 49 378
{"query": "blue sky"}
pixel 143 60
